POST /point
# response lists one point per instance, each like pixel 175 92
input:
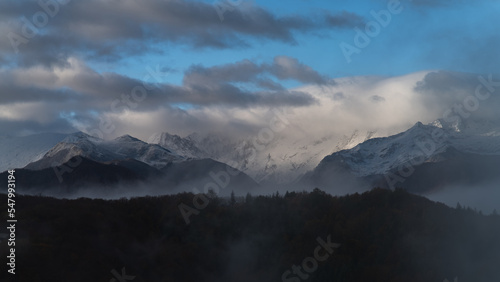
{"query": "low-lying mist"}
pixel 483 197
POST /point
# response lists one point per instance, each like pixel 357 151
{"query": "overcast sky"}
pixel 138 67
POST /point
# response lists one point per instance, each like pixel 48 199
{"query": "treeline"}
pixel 382 235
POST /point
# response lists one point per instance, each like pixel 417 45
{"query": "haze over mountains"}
pixel 82 165
pixel 279 161
pixel 424 159
pixel 427 132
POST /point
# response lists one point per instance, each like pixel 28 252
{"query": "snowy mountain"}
pixel 282 160
pixel 423 157
pixel 82 165
pixel 181 146
pixel 469 147
pixel 381 155
pixel 154 155
pixel 121 148
pixel 17 152
pixel 129 178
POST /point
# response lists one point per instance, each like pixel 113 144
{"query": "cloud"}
pixel 453 92
pixel 76 94
pixel 282 68
pixel 344 19
pixel 338 96
pixel 290 68
pixel 377 99
pixel 235 98
pixel 111 30
pixel 243 71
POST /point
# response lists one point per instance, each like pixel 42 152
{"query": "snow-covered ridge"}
pixel 281 160
pixel 121 148
pixel 130 147
pixel 181 146
pixel 419 143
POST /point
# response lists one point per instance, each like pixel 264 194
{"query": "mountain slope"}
pixel 205 174
pixel 130 177
pixel 87 174
pixel 130 147
pixel 279 160
pixel 87 166
pixel 181 146
pixel 422 158
pixel 121 148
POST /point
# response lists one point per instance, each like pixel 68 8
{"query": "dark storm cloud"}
pixel 110 30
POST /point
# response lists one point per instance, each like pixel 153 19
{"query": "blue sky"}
pixel 442 37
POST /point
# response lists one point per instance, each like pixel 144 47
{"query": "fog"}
pixel 483 197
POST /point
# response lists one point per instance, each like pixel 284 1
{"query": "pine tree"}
pixel 233 199
pixel 213 197
pixel 248 198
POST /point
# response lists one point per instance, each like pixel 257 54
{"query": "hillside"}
pixel 383 235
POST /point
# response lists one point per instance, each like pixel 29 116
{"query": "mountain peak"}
pixel 80 136
pixel 182 146
pixel 420 126
pixel 163 138
pixel 419 144
pixel 127 138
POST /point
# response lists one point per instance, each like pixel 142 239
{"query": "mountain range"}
pixel 422 159
pixel 83 165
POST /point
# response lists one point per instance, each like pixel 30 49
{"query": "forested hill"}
pixel 380 235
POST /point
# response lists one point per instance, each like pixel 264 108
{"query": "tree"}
pixel 213 197
pixel 248 198
pixel 232 201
